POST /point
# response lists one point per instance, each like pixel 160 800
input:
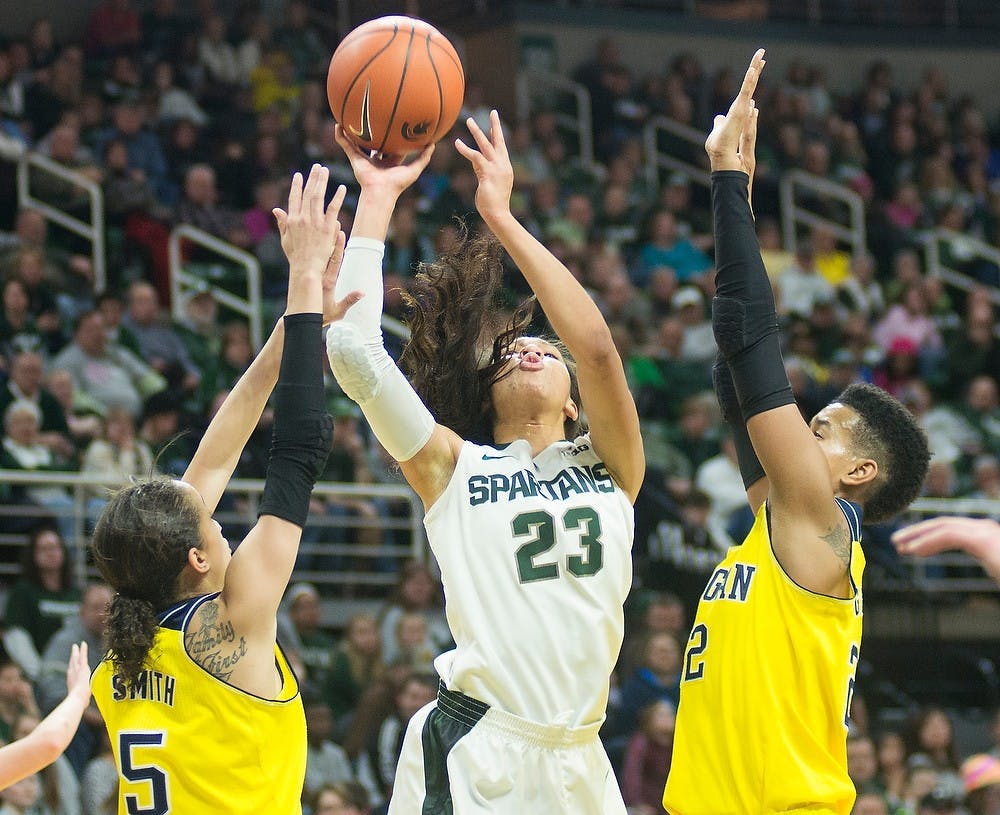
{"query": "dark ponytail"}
pixel 140 546
pixel 461 331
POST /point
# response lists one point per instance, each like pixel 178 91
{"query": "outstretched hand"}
pixel 978 537
pixel 78 673
pixel 730 145
pixel 492 166
pixel 389 172
pixel 309 235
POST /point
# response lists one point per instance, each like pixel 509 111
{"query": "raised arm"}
pixel 258 573
pixel 219 451
pixel 607 401
pixel 426 451
pixel 810 535
pixel 977 537
pixel 47 741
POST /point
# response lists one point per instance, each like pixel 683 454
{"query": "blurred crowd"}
pixel 200 115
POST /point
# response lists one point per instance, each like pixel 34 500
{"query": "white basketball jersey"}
pixel 536 562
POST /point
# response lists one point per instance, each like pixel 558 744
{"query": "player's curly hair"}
pixel 460 335
pixel 888 434
pixel 140 546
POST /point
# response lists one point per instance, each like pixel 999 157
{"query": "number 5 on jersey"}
pixel 540 526
pixel 158 795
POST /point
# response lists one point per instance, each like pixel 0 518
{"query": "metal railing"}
pixel 969 248
pixel 184 284
pixel 799 188
pixel 327 556
pixel 659 160
pixel 93 231
pixel 537 88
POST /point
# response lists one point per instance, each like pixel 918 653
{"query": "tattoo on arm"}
pixel 214 645
pixel 839 540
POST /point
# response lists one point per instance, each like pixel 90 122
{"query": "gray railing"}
pixel 381 544
pixel 659 160
pixel 92 232
pixel 537 88
pixel 969 249
pixel 184 284
pixel 799 189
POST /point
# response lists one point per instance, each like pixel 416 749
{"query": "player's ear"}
pixel 864 471
pixel 196 560
pixel 571 410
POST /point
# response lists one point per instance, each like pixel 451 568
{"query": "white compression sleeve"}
pixel 364 369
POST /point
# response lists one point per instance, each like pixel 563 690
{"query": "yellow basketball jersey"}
pixel 767 679
pixel 187 742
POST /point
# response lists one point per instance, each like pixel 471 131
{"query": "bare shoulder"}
pixel 212 640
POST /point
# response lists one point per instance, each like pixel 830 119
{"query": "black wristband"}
pixel 303 431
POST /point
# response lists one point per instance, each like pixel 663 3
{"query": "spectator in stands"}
pixel 891 753
pixel 158 428
pixel 145 151
pixel 200 207
pixel 21 450
pixel 909 318
pixel 801 285
pixel 717 477
pixel 113 376
pixel 115 459
pixel 862 764
pixel 159 344
pixel 345 798
pixel 21 797
pixel 417 591
pixel 357 661
pixel 664 380
pixel 300 39
pixel 29 269
pixel 657 677
pixel 647 758
pixel 899 370
pixel 18 333
pixel 663 246
pixel 326 762
pixel 974 350
pixel 114 27
pixel 82 412
pixel 173 102
pixel 870 803
pixel 64 149
pixel 699 341
pixel 25 382
pixel 315 646
pixel 44 595
pixel 16 697
pixel 217 57
pixel 860 292
pixel 88 626
pixel 931 733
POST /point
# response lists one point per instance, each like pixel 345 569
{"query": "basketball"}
pixel 395 85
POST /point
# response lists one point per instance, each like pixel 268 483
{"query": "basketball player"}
pixel 528 514
pixel 977 537
pixel 203 712
pixel 770 661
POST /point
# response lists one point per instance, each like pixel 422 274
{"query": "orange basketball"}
pixel 395 85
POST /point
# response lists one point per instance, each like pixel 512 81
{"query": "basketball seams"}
pixel 399 90
pixel 437 79
pixel 449 51
pixel 361 70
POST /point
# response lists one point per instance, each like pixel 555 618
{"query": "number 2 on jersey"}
pixel 541 526
pixel 159 792
pixel 694 664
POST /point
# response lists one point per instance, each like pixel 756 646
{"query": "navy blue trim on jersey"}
pixel 176 617
pixel 852 512
pixel 454 716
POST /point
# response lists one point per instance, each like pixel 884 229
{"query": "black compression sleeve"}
pixel 743 312
pixel 725 391
pixel 303 430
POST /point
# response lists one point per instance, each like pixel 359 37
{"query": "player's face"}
pixel 833 427
pixel 535 374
